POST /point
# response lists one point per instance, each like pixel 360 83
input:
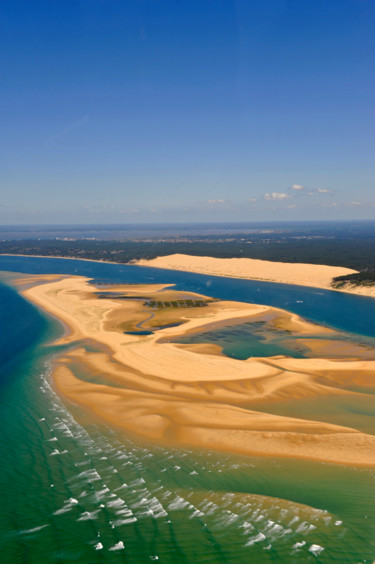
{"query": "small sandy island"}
pixel 122 366
pixel 314 275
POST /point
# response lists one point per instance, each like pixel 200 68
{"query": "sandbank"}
pixel 183 396
pixel 300 274
pixel 314 275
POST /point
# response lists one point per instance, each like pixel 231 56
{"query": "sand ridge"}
pixel 314 275
pixel 180 395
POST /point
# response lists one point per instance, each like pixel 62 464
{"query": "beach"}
pixel 192 396
pixel 300 274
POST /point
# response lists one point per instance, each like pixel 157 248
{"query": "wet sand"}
pixel 190 395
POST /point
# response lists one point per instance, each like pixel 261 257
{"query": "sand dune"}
pixel 188 396
pixel 315 275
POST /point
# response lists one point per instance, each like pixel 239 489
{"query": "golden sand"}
pixel 190 395
pixel 314 275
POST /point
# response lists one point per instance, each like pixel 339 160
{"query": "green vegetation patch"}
pixel 176 304
pixel 366 278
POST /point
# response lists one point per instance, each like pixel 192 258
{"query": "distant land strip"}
pixel 356 253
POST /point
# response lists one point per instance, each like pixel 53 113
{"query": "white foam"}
pixel 60 426
pixel 275 532
pixel 116 503
pixel 87 516
pixel 67 506
pixel 127 521
pixel 258 538
pixel 305 527
pixel 209 507
pixel 196 513
pixel 121 456
pixel 138 482
pixel 62 510
pixel 124 486
pixel 91 475
pixel 299 544
pixel 316 549
pixel 157 508
pixel 179 503
pixel 118 546
pixel 294 520
pixel 102 491
pixel 246 526
pixel 98 546
pixel 226 519
pixel 34 530
pixel 56 451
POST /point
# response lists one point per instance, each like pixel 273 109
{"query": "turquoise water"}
pixel 249 339
pixel 73 490
pixel 262 339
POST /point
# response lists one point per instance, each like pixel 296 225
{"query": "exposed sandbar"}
pixel 186 397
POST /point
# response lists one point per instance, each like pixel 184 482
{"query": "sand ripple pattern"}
pixel 109 500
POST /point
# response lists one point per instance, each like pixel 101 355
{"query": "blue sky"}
pixel 196 110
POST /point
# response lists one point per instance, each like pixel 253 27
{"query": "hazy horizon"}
pixel 188 230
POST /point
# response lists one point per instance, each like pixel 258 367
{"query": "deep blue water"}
pixel 348 312
pixel 21 326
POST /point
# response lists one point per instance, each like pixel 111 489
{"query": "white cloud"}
pixel 252 200
pixel 353 204
pixel 297 187
pixel 276 196
pixel 215 201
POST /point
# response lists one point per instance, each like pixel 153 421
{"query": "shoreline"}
pixel 152 263
pixel 221 267
pixel 64 258
pixel 186 398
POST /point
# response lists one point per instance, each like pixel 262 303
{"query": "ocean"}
pixel 75 490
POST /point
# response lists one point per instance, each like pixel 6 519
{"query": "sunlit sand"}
pixel 192 395
pixel 314 275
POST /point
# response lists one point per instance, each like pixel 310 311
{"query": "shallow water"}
pixel 73 490
pixel 262 339
pixel 249 339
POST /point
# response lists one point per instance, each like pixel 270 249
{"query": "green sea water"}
pixel 74 490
